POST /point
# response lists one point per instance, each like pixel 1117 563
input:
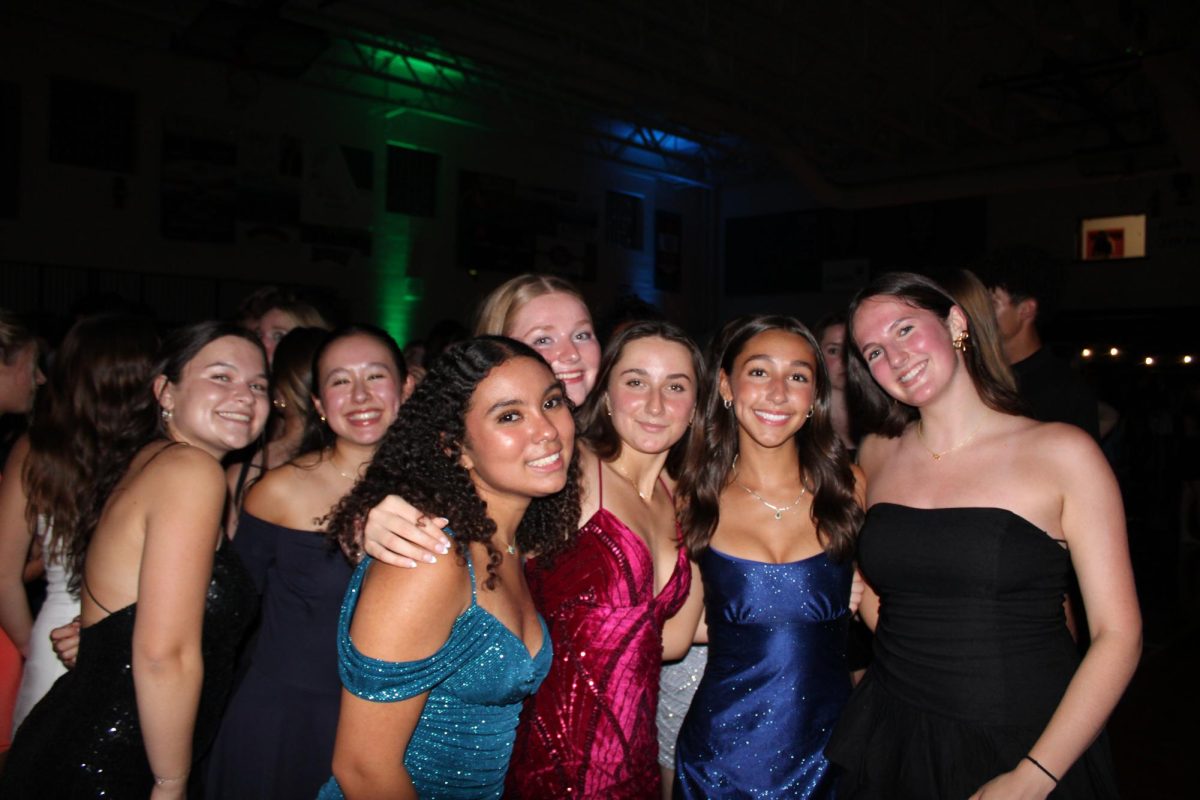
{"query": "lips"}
pixel 235 416
pixel 771 418
pixel 365 417
pixel 574 376
pixel 547 463
pixel 911 374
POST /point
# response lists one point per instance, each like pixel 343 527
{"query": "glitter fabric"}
pixel 476 682
pixel 589 732
pixel 82 740
pixel 972 656
pixel 775 683
pixel 677 685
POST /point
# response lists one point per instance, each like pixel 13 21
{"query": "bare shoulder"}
pixel 17 455
pixel 434 595
pixel 274 487
pixel 1058 443
pixel 174 463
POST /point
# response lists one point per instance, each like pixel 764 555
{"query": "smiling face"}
pixel 559 327
pixel 359 388
pixel 519 433
pixel 772 386
pixel 907 349
pixel 220 402
pixel 833 349
pixel 651 394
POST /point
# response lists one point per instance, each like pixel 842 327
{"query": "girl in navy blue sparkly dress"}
pixel 771 516
pixel 430 709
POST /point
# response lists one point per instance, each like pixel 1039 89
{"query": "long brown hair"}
pixel 96 413
pixel 878 412
pixel 824 464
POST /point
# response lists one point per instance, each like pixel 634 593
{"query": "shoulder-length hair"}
pixel 317 433
pixel 96 413
pixel 420 460
pixel 824 464
pixel 497 310
pixel 879 413
pixel 595 424
pixel 181 346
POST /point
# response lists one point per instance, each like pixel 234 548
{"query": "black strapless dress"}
pixel 971 657
pixel 83 740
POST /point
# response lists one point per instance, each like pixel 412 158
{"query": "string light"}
pixel 1114 352
pixel 1149 361
pixel 1187 359
pixel 1086 352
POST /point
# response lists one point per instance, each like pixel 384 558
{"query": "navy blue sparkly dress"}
pixel 775 683
pixel 476 683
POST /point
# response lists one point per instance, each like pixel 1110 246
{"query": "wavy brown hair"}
pixel 420 460
pixel 96 412
pixel 879 413
pixel 824 463
pixel 595 424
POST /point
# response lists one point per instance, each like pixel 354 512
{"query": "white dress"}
pixel 43 668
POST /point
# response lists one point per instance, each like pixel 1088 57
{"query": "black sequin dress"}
pixel 83 740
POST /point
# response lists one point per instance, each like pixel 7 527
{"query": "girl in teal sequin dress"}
pixel 436 662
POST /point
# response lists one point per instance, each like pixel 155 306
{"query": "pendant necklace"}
pixel 613 464
pixel 333 461
pixel 938 456
pixel 777 509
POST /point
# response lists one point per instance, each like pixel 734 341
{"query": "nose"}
pixel 567 353
pixel 654 404
pixel 896 356
pixel 544 429
pixel 777 390
pixel 359 390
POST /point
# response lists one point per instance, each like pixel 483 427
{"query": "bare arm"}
pixel 184 490
pixel 1093 522
pixel 398 534
pixel 15 538
pixel 373 737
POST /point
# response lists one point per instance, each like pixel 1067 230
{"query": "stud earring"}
pixel 322 418
pixel 960 341
pixel 166 414
pixel 809 414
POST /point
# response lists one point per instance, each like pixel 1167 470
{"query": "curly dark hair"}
pixel 419 459
pixel 595 425
pixel 94 416
pixel 824 463
pixel 877 412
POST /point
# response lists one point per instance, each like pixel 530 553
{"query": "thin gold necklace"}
pixel 777 509
pixel 621 472
pixel 333 460
pixel 938 456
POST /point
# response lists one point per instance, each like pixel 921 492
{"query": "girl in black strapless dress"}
pixel 163 609
pixel 976 517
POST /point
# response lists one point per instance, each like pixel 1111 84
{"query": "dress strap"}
pixel 600 481
pixel 663 481
pixel 470 567
pixel 88 589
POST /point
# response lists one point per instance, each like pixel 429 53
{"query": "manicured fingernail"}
pixel 430 559
pixel 445 549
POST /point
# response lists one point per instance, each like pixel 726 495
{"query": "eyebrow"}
pixel 887 328
pixel 764 357
pixel 369 364
pixel 672 376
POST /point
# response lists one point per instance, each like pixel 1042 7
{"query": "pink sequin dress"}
pixel 589 731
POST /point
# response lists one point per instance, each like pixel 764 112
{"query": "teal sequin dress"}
pixel 476 682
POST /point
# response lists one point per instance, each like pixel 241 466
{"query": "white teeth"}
pixel 234 416
pixel 772 417
pixel 362 416
pixel 547 461
pixel 912 373
pixel 568 376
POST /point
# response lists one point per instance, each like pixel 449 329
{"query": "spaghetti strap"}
pixel 88 589
pixel 600 481
pixel 470 568
pixel 663 481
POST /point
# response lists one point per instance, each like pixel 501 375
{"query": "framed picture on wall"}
pixel 1111 238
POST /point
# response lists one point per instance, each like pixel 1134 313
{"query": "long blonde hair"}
pixel 498 308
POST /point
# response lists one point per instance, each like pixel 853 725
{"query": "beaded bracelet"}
pixel 1037 764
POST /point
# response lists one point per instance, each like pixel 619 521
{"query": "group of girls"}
pixel 530 569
